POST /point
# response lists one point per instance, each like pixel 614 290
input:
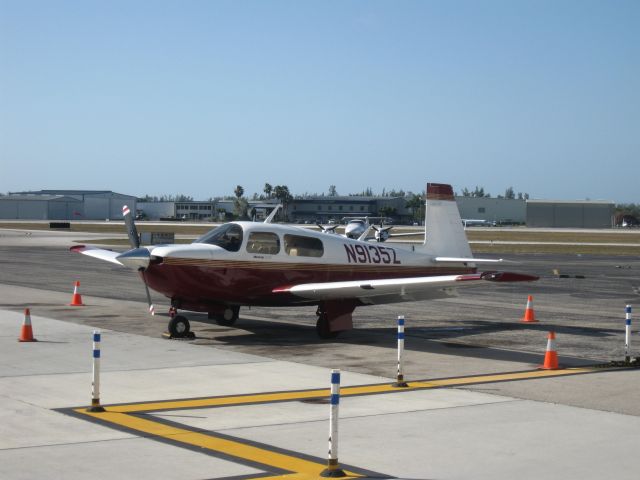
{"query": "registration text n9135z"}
pixel 371 254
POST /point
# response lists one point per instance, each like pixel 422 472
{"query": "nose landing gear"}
pixel 179 327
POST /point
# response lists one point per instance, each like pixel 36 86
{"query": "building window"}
pixel 481 209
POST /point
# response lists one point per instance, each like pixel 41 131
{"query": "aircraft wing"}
pixel 399 289
pixel 99 253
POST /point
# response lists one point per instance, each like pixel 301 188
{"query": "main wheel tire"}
pixel 179 326
pixel 228 317
pixel 322 328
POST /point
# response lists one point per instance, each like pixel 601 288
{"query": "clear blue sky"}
pixel 195 97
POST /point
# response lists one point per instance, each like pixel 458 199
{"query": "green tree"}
pixel 632 209
pixel 240 204
pixel 395 193
pixel 281 192
pixel 268 190
pixel 509 194
pixel 416 204
pixel 387 211
pixel 332 191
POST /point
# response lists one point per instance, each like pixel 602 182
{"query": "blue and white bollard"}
pixel 627 336
pixel 95 384
pixel 333 468
pixel 400 378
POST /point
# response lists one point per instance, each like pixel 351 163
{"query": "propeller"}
pixel 137 257
pixel 382 233
pixel 132 231
pixel 330 229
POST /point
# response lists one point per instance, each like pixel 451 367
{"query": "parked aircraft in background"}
pixel 246 263
pixel 359 228
pixel 471 222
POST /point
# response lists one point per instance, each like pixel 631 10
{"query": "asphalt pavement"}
pixel 476 407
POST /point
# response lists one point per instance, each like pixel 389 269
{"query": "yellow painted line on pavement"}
pixel 297 395
pixel 128 417
pixel 238 449
pixel 505 377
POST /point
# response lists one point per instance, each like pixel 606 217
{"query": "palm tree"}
pixel 268 190
pixel 240 204
pixel 281 192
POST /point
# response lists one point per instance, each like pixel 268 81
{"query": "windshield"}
pixel 227 236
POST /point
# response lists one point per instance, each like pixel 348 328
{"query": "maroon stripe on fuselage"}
pixel 252 283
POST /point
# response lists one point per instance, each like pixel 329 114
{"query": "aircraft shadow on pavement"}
pixel 440 340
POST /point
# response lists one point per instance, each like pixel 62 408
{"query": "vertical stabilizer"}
pixel 444 233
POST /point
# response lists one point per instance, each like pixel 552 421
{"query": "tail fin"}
pixel 444 233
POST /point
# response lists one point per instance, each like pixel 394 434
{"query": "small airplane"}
pixel 476 222
pixel 263 264
pixel 358 228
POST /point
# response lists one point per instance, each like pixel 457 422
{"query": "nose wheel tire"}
pixel 179 327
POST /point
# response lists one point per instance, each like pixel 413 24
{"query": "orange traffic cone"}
pixel 26 332
pixel 529 314
pixel 76 300
pixel 551 356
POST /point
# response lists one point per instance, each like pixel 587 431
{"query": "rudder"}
pixel 444 233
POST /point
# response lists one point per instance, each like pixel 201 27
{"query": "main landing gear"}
pixel 334 316
pixel 226 316
pixel 322 326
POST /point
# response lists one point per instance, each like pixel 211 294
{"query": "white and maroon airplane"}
pixel 264 264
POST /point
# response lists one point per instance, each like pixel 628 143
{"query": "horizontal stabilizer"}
pixel 467 260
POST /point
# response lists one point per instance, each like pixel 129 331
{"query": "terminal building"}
pixel 334 209
pixel 188 210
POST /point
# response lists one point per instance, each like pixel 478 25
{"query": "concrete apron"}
pixel 425 433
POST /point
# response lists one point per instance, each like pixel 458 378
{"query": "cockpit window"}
pixel 299 246
pixel 266 243
pixel 227 236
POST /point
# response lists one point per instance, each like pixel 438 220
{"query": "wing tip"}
pixel 509 277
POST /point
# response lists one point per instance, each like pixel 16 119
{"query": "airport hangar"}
pixel 102 205
pixel 539 213
pixel 65 205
